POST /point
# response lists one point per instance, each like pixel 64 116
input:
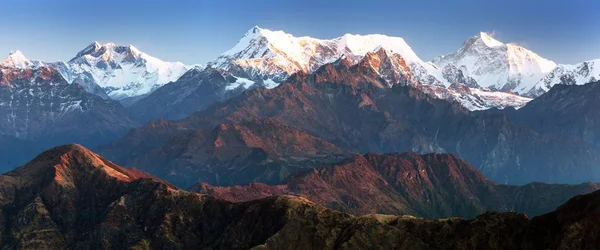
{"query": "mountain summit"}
pixel 495 65
pixel 16 59
pixel 124 71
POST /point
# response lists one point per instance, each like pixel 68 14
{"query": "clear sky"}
pixel 197 31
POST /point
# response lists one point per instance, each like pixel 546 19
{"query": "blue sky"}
pixel 198 31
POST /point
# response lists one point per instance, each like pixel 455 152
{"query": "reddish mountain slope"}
pixel 259 150
pixel 432 185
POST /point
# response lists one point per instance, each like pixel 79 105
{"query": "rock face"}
pixel 344 103
pixel 232 153
pixel 40 105
pixel 70 198
pixel 431 186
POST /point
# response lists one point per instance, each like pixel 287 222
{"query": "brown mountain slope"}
pixel 431 185
pixel 260 150
pixel 70 198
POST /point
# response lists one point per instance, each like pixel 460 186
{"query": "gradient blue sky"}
pixel 198 31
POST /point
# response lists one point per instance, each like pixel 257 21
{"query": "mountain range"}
pixel 489 69
pixel 128 87
pixel 342 103
pixel 298 142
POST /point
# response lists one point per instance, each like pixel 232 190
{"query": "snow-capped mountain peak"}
pixel 95 46
pixel 108 52
pixel 277 39
pixel 124 71
pixel 16 59
pixel 496 65
pixel 282 53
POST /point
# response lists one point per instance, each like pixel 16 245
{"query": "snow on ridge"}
pixel 297 53
pixel 275 55
pixel 240 82
pixel 569 74
pixel 297 47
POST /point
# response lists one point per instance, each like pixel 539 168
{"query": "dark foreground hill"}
pixel 71 198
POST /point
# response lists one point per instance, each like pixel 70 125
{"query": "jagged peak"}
pixel 107 51
pixel 17 54
pixel 380 50
pixel 343 60
pixel 254 30
pixel 16 59
pixel 378 54
pixel 481 39
pixel 94 46
pixel 381 57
